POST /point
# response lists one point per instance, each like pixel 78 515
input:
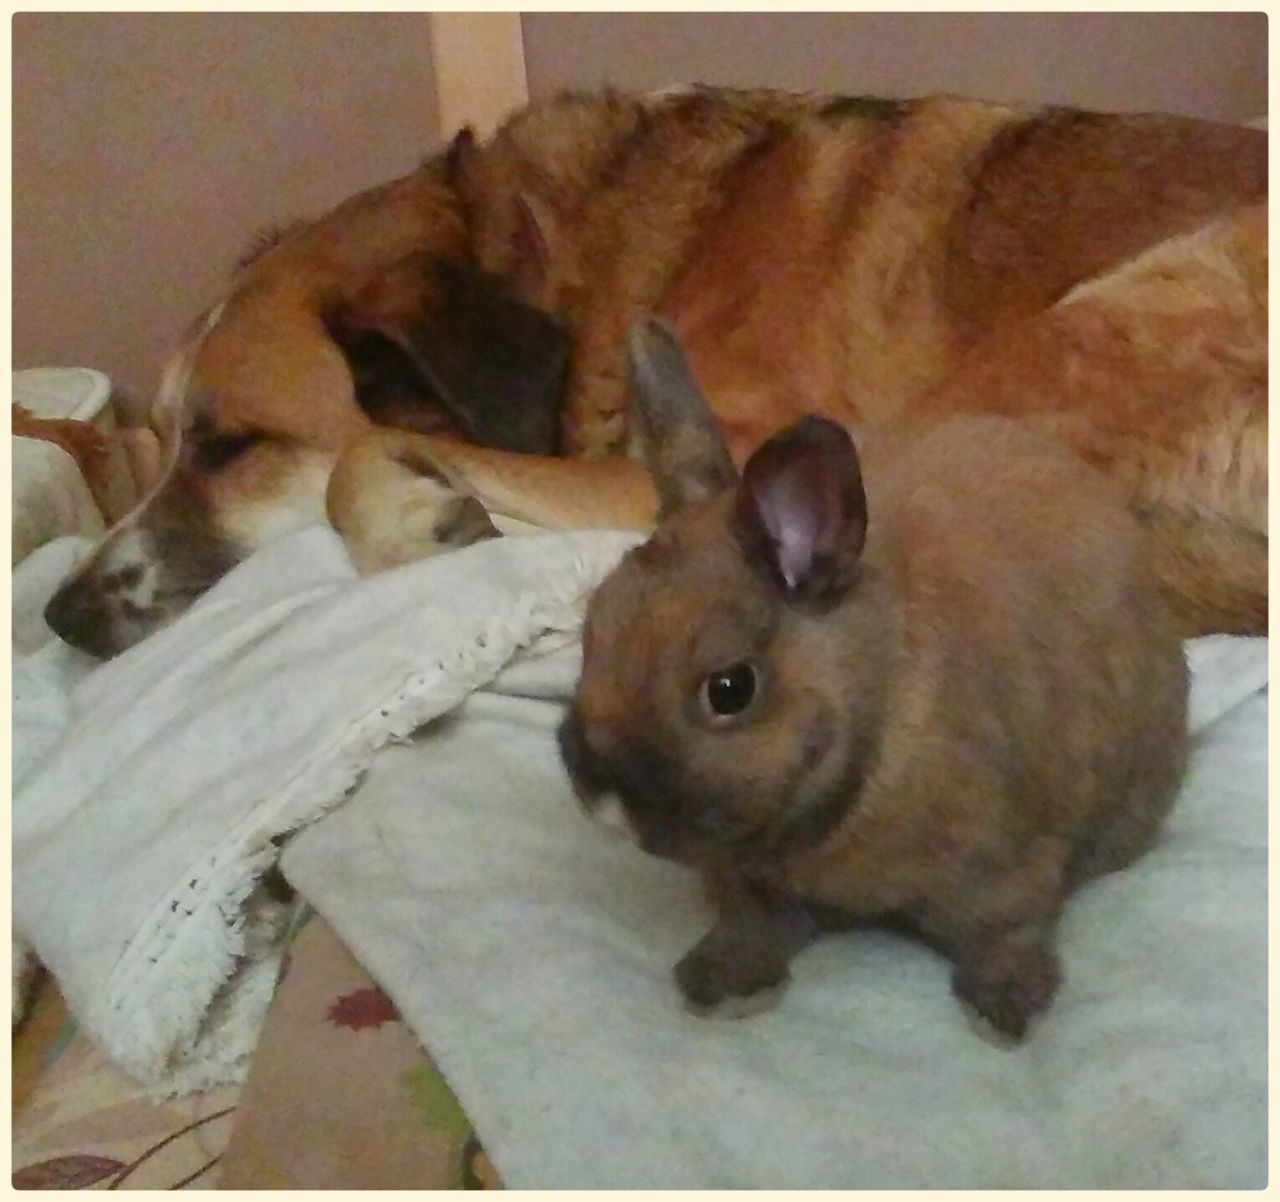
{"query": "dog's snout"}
pixel 74 615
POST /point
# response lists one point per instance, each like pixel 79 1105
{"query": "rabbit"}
pixel 944 693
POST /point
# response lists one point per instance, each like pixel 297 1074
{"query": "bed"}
pixel 471 982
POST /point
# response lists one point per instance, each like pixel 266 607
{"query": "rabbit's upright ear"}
pixel 801 511
pixel 678 436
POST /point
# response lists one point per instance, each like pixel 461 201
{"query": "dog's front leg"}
pixel 396 496
pixel 391 506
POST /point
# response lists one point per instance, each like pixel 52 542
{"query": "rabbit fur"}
pixel 954 692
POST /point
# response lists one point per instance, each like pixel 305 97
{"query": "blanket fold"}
pixel 142 825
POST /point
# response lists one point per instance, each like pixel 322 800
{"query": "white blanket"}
pixel 532 954
pixel 149 792
pixel 531 951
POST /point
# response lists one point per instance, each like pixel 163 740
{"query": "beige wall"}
pixel 1205 64
pixel 148 149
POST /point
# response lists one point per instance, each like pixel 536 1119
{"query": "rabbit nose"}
pixel 586 773
pixel 610 812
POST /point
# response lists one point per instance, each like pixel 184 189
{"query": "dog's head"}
pixel 377 313
pixel 187 530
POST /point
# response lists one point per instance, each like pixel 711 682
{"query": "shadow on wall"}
pixel 149 149
pixel 1210 65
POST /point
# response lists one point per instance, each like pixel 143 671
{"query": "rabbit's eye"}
pixel 728 692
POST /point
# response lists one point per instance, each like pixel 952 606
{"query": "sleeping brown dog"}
pixel 458 333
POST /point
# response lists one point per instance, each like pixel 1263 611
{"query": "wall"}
pixel 149 149
pixel 1204 64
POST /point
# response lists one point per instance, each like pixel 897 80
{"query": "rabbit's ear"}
pixel 678 437
pixel 801 510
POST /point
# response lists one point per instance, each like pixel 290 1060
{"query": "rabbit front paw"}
pixel 715 985
pixel 1008 985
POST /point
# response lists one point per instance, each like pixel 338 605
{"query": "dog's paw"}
pixel 421 526
pixel 391 507
pixel 462 521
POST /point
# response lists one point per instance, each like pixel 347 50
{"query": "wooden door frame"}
pixel 477 62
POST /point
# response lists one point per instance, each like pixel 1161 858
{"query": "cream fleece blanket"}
pixel 531 952
pixel 150 793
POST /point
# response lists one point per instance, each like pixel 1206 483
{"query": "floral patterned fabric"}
pixel 79 1123
pixel 340 1096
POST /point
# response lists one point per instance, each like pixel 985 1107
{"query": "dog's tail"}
pixel 1156 373
pixel 1200 492
pixel 1202 500
pixel 1213 573
pixel 1208 527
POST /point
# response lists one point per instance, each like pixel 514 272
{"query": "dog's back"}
pixel 854 247
pixel 1100 275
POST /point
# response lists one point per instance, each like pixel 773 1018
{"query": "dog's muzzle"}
pixel 77 616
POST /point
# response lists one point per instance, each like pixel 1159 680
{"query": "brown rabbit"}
pixel 948 697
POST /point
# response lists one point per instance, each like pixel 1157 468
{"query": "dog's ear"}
pixel 679 439
pixel 462 158
pixel 514 227
pixel 535 231
pixel 496 364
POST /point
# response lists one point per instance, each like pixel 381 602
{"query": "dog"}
pixel 448 346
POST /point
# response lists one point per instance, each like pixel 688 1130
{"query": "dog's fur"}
pixel 1101 277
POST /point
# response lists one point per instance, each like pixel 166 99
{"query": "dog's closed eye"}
pixel 214 451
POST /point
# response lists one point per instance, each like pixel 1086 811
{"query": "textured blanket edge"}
pixel 225 947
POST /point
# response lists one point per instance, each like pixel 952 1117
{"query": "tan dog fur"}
pixel 877 262
pixel 1071 282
